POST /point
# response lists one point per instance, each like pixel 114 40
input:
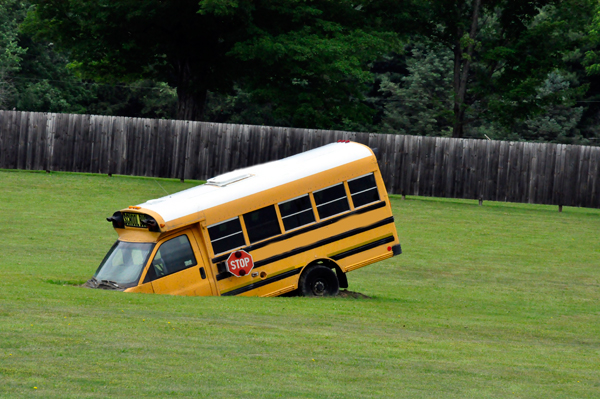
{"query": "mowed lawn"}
pixel 500 300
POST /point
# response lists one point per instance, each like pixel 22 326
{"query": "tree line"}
pixel 499 69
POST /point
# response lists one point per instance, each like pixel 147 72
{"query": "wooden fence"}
pixel 412 165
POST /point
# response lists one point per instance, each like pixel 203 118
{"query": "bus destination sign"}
pixel 134 219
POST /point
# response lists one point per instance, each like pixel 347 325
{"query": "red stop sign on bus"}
pixel 239 263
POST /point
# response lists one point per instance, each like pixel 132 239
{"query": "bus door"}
pixel 177 268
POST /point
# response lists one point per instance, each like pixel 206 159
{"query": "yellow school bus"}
pixel 297 224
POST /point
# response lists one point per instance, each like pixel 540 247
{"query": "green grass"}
pixel 494 301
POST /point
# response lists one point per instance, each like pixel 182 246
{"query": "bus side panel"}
pixel 351 242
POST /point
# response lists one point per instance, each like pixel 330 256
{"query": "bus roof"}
pixel 254 179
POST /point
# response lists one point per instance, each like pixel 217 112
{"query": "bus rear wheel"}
pixel 319 281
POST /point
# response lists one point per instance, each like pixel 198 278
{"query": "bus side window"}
pixel 296 212
pixel 262 223
pixel 226 235
pixel 172 256
pixel 331 200
pixel 363 190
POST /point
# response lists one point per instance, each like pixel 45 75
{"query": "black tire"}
pixel 319 281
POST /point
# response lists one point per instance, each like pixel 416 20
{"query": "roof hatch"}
pixel 226 179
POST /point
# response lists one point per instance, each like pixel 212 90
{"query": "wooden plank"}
pixel 547 184
pixel 166 135
pixel 212 147
pixel 570 180
pixel 438 158
pixel 59 141
pixel 587 196
pixel 5 125
pixel 3 134
pixel 24 118
pixel 474 160
pixel 177 131
pixel 537 168
pixel 276 144
pixel 127 150
pixel 484 152
pixel 397 163
pixel 426 165
pixel 407 168
pixel 204 156
pixel 114 143
pixel 182 149
pixel 105 157
pixel 244 145
pixel 491 171
pixel 449 168
pixel 513 171
pixel 416 176
pixel 462 165
pixel 86 143
pixel 387 154
pixel 138 147
pixel 50 123
pixel 103 141
pixel 31 140
pixel 594 197
pixel 40 155
pixel 74 132
pixel 13 140
pixel 192 151
pixel 13 147
pixel 147 152
pixel 93 138
pixel 392 155
pixel 422 166
pixel 523 187
pixel 262 155
pixel 501 180
pixel 583 168
pixel 559 168
pixel 70 163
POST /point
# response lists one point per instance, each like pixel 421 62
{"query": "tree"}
pixel 11 53
pixel 308 57
pixel 503 51
pixel 420 102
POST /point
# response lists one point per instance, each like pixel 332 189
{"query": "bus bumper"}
pixel 396 250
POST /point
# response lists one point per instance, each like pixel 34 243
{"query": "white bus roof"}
pixel 254 179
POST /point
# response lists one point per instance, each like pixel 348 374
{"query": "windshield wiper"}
pixel 91 283
pixel 110 284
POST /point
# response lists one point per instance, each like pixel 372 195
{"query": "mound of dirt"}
pixel 352 294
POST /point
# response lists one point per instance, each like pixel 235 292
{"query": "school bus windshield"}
pixel 124 263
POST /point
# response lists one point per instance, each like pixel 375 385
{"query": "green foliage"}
pixel 500 65
pixel 420 103
pixel 11 52
pixel 307 60
pixel 313 63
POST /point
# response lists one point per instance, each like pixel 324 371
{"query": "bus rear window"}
pixel 331 201
pixel 363 190
pixel 296 212
pixel 262 223
pixel 226 235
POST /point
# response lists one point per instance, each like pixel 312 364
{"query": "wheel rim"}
pixel 319 287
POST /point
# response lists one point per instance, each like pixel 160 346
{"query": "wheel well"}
pixel 341 276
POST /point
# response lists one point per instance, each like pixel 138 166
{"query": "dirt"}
pixel 352 294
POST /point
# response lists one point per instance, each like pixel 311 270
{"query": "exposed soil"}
pixel 352 294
